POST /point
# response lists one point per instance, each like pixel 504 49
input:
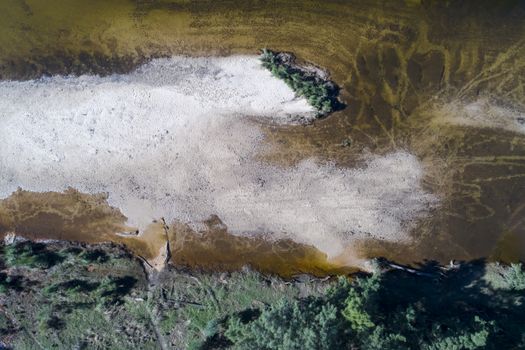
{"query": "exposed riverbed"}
pixel 174 140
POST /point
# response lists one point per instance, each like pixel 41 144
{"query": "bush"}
pixel 320 94
pixel 359 302
pixel 506 277
pixel 458 339
pixel 394 311
pixel 11 282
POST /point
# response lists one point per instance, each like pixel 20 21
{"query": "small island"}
pixel 307 81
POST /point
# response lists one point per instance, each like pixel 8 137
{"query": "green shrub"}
pixel 357 304
pixel 461 339
pixel 394 311
pixel 94 256
pixel 506 277
pixel 31 255
pixel 212 328
pixel 380 339
pixel 288 325
pixel 111 290
pixel 74 290
pixel 321 95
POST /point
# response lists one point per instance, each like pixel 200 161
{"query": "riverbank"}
pixel 96 296
pixel 181 139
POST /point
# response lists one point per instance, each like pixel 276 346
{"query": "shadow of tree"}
pixel 453 298
pixel 97 255
pixel 116 288
pixel 76 285
pixel 30 254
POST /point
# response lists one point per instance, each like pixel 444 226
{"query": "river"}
pixel 443 80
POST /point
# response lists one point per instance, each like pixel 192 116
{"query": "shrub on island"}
pixel 319 92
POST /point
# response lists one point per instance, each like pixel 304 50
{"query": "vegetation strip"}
pixel 67 295
pixel 305 81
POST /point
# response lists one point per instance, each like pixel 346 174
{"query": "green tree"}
pixel 289 326
pixel 357 302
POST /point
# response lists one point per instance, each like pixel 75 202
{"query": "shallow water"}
pixel 398 63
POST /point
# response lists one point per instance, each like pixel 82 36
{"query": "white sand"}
pixel 172 140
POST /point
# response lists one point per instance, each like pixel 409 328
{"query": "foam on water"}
pixel 172 140
pixel 483 113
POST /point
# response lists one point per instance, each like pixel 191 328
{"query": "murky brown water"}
pixel 396 61
pixel 75 216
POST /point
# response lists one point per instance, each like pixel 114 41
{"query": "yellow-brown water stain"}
pixel 67 215
pixel 218 250
pixel 74 216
